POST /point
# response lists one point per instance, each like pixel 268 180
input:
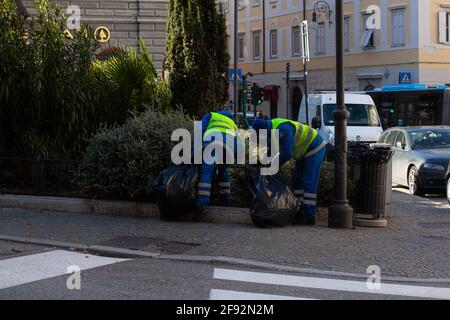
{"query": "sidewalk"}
pixel 416 243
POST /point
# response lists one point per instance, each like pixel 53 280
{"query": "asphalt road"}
pixel 113 278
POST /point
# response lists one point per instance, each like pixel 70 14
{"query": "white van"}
pixel 364 124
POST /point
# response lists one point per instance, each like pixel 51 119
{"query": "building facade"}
pixel 386 42
pixel 125 20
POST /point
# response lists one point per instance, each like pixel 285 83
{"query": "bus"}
pixel 412 105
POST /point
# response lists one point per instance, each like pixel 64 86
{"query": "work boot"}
pixel 302 219
pixel 199 214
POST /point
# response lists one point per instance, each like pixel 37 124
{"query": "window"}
pixel 320 39
pixel 347 33
pixel 256 3
pixel 361 115
pixel 296 47
pixel 398 27
pixel 444 27
pixel 256 45
pixel 430 139
pixel 390 139
pixel 273 43
pixel 240 43
pixel 224 5
pixel 400 142
pixel 368 37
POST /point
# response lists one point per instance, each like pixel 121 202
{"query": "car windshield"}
pixel 361 115
pixel 430 139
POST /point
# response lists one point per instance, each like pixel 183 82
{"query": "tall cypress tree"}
pixel 196 50
pixel 222 56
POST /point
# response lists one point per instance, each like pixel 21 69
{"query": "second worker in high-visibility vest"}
pixel 307 147
pixel 215 123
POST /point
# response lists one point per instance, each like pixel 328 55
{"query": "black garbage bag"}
pixel 176 188
pixel 273 203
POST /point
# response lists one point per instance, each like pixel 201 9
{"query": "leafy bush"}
pixel 121 161
pixel 54 93
pixel 130 84
pixel 47 92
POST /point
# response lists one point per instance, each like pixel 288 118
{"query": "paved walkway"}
pixel 416 244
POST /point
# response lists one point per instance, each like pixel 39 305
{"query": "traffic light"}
pixel 257 95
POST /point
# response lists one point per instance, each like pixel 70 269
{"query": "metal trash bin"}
pixel 371 170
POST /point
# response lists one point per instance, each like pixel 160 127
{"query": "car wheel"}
pixel 414 182
pixel 448 190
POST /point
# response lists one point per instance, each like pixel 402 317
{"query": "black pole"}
pixel 288 80
pixel 340 213
pixel 264 34
pixel 235 57
pixel 305 72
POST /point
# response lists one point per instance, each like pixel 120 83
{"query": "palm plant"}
pixel 130 80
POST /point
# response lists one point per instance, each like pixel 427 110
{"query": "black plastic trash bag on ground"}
pixel 176 188
pixel 273 202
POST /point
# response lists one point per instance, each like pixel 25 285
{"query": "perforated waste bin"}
pixel 372 173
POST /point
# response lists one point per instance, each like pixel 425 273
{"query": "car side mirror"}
pixel 315 123
pixel 400 145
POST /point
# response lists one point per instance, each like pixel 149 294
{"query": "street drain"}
pixel 150 244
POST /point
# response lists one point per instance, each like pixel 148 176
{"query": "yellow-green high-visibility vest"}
pixel 220 123
pixel 304 136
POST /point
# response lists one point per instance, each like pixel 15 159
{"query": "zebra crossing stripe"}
pixel 216 294
pixel 22 270
pixel 332 284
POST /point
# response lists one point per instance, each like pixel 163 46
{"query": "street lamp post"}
pixel 237 4
pixel 340 213
pixel 235 79
pixel 305 72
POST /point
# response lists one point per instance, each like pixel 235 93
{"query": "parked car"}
pixel 421 157
pixel 364 124
pixel 447 178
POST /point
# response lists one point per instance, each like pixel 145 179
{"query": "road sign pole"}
pixel 288 82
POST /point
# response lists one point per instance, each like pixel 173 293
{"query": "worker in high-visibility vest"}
pixel 213 124
pixel 307 147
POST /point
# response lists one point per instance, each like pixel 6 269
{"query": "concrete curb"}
pixel 213 214
pixel 126 253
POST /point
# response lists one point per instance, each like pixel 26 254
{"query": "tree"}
pixel 214 20
pixel 196 54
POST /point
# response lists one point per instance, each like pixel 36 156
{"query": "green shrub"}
pixel 121 161
pixel 47 93
pixel 129 81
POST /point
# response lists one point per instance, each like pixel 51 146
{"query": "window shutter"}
pixel 443 28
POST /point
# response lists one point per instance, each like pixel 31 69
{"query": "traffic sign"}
pixel 405 77
pixel 304 40
pixel 231 75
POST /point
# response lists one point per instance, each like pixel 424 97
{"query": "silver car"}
pixel 421 157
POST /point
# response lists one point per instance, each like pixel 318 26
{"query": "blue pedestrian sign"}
pixel 231 75
pixel 405 77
